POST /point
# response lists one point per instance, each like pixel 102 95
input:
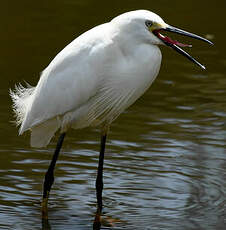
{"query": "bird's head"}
pixel 148 26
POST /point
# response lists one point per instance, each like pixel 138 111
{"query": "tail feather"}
pixel 43 133
pixel 22 98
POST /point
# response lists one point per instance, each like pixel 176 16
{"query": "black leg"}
pixel 99 180
pixel 49 177
pixel 99 184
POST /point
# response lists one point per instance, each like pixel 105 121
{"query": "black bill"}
pixel 176 45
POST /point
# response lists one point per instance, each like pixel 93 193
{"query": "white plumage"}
pixel 92 80
pixel 97 76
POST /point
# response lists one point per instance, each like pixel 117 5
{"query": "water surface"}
pixel 165 165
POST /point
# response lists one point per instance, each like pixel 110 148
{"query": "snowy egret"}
pixel 92 81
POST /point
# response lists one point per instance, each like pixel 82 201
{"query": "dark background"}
pixel 165 162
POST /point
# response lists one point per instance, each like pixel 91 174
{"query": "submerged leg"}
pixel 49 177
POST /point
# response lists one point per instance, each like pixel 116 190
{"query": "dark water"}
pixel 165 164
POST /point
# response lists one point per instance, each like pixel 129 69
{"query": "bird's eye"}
pixel 148 23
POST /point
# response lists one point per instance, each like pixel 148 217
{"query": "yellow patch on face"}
pixel 157 26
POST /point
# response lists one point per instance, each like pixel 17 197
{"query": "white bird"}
pixel 93 80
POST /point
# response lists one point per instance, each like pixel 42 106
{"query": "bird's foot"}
pixel 103 221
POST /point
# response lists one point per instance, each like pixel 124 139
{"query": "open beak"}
pixel 177 45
